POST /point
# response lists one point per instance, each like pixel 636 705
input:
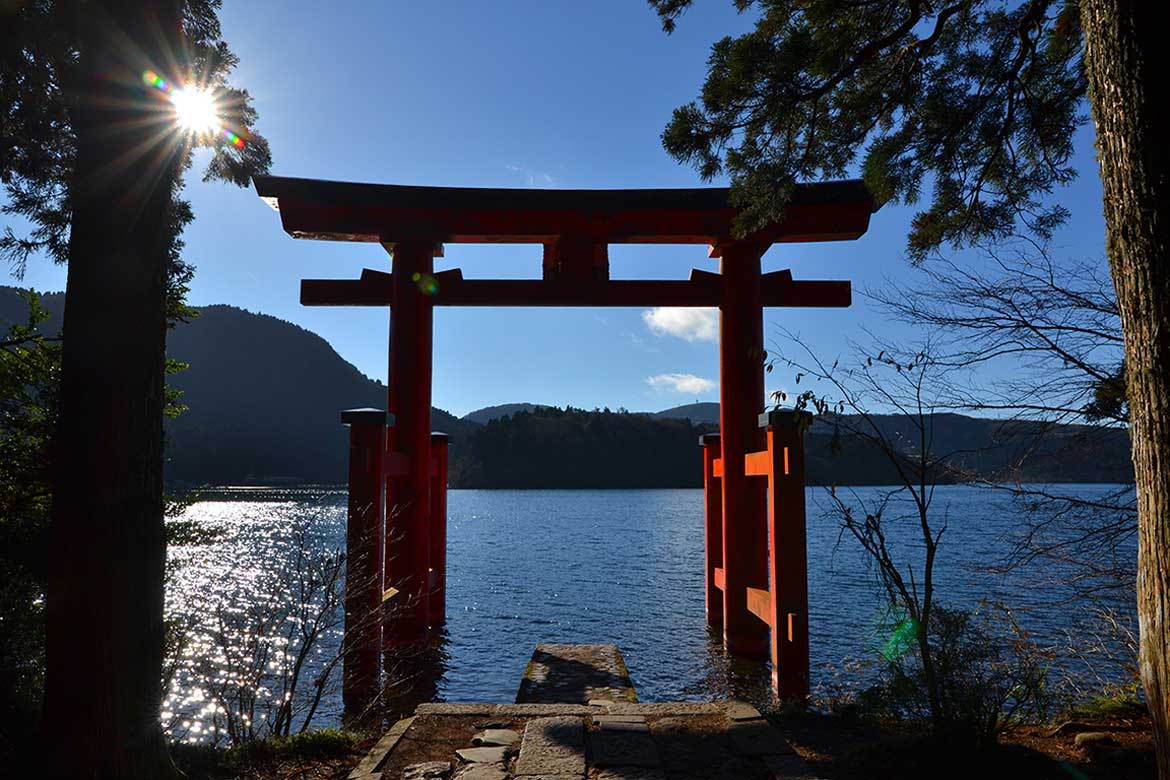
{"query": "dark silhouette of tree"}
pixel 977 101
pixel 29 371
pixel 93 156
pixel 574 448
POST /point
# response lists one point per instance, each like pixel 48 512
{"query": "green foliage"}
pixel 1109 401
pixel 1123 701
pixel 977 100
pixel 326 742
pixel 574 448
pixel 991 676
pixel 29 373
pixel 30 365
pixel 41 89
pixel 172 406
pixel 204 760
pixel 38 63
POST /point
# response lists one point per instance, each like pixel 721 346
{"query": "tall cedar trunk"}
pixel 105 635
pixel 1126 62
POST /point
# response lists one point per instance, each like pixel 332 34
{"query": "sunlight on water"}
pixel 237 603
pixel 524 567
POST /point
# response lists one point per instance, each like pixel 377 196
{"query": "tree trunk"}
pixel 1126 60
pixel 105 633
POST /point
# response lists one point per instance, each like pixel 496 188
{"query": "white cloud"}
pixel 531 177
pixel 686 323
pixel 681 383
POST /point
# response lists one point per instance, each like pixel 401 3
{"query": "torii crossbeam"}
pixel 575 228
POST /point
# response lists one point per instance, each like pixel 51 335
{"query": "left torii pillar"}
pixel 408 484
pixel 363 561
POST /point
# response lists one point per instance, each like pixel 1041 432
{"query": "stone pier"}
pixel 576 674
pixel 598 732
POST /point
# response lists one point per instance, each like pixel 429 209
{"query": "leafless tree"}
pixel 968 681
pixel 1050 330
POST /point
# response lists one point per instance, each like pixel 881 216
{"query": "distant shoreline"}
pixel 308 486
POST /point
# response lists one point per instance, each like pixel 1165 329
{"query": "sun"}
pixel 196 110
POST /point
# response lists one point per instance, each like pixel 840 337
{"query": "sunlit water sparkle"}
pixel 524 567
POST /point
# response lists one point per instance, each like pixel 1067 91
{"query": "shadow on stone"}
pixel 575 674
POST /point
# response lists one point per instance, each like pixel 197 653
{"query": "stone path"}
pixel 577 674
pixel 552 747
pixel 618 741
pixel 612 737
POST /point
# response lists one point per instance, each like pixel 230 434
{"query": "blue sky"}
pixel 511 94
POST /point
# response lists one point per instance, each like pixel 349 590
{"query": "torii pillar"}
pixel 741 399
pixel 408 495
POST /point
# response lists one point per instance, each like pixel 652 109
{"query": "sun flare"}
pixel 196 110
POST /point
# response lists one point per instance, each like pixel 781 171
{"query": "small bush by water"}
pixel 988 675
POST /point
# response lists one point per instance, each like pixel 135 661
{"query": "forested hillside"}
pixel 574 448
pixel 264 399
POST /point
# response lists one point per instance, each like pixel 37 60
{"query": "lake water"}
pixel 524 567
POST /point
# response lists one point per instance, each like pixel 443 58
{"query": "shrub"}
pixel 988 672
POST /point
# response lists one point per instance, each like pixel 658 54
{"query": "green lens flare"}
pixel 427 284
pixel 900 640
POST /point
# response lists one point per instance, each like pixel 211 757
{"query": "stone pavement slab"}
pixel 483 755
pixel 482 772
pixel 622 725
pixel 374 759
pixel 757 738
pixel 623 741
pixel 603 719
pixel 552 746
pixel 576 673
pixel 426 769
pixel 630 773
pixel 697 746
pixel 622 748
pixel 455 709
pixel 540 710
pixel 664 709
pixel 741 710
pixel 502 737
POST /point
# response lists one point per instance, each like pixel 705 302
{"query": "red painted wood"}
pixel 759 603
pixel 345 211
pixel 408 502
pixel 741 398
pixel 705 289
pixel 363 565
pixel 438 539
pixel 712 530
pixel 576 259
pixel 788 560
pixel 758 464
pixel 395 464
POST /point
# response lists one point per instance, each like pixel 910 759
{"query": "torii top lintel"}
pixel 346 211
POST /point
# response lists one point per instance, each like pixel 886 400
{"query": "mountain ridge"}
pixel 265 395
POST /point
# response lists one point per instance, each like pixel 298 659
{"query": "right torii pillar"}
pixel 741 400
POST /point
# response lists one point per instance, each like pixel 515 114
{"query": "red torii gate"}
pixel 397 504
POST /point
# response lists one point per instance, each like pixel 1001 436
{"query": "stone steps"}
pixel 580 718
